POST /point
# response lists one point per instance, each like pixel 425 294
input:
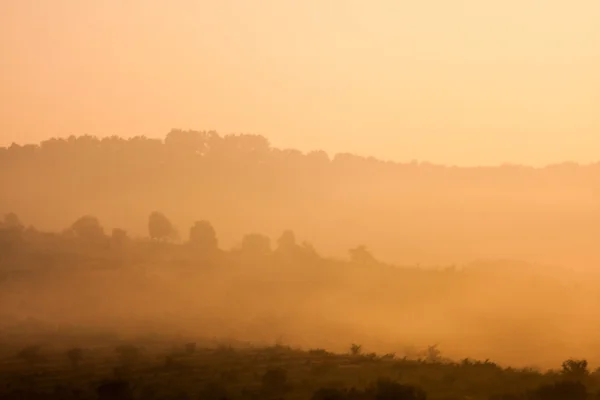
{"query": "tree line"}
pixel 87 233
pixel 241 183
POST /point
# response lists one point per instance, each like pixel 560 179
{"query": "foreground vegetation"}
pixel 160 368
pixel 48 292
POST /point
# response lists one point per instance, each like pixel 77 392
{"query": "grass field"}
pixel 167 368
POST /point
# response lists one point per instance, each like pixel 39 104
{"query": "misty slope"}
pixel 405 212
pixel 82 278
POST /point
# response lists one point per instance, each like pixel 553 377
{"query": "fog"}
pixel 494 263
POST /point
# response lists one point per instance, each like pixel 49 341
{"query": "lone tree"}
pixel 11 221
pixel 203 237
pixel 286 245
pixel 355 349
pixel 88 228
pixel 575 369
pixel 159 227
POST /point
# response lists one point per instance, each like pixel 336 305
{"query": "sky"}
pixel 465 82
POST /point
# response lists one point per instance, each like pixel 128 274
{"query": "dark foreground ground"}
pixel 155 368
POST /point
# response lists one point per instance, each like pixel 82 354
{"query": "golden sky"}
pixel 462 82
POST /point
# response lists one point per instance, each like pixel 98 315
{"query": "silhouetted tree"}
pixel 575 369
pixel 355 349
pixel 361 255
pixel 88 228
pixel 433 353
pixel 193 143
pixel 11 221
pixel 286 244
pixel 203 237
pixel 119 237
pixel 160 227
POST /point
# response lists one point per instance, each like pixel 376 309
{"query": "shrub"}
pixel 355 349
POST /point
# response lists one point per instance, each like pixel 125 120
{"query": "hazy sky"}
pixel 461 82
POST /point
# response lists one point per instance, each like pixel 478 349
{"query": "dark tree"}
pixel 286 244
pixel 203 237
pixel 160 227
pixel 11 221
pixel 88 228
pixel 361 255
pixel 355 349
pixel 575 369
pixel 119 237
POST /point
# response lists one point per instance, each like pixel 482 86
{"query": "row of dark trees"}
pixel 202 238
